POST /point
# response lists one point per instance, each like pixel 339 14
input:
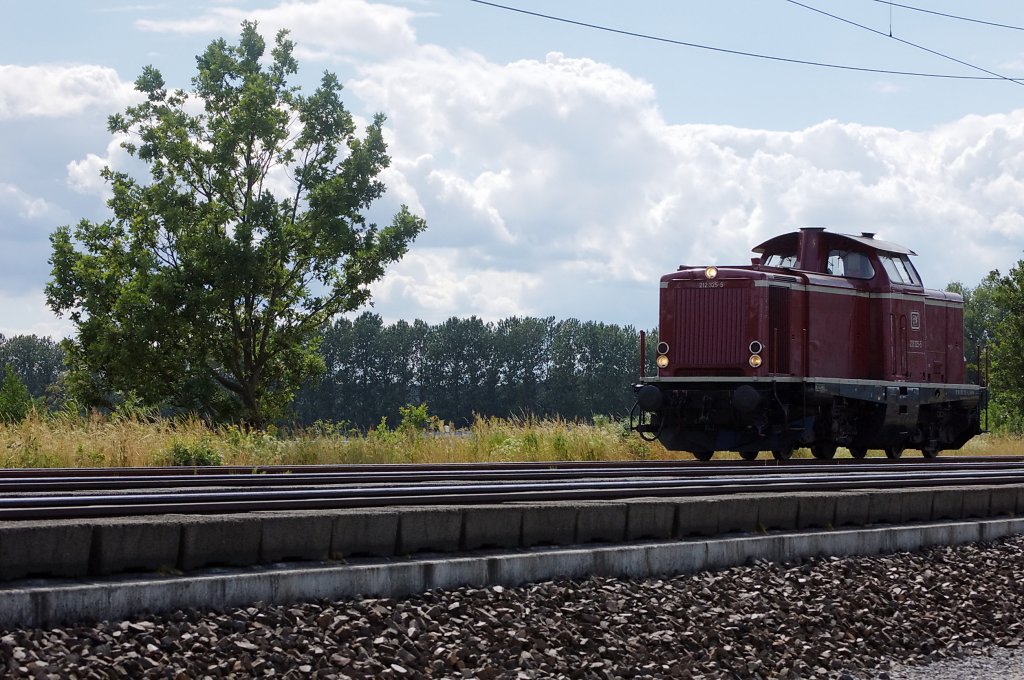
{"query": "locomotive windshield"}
pixel 900 269
pixel 850 263
pixel 781 260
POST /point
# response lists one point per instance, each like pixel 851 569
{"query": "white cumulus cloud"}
pixel 60 90
pixel 16 200
pixel 323 28
pixel 26 313
pixel 562 173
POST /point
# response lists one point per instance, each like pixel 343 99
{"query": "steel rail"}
pixel 19 473
pixel 372 475
pixel 207 501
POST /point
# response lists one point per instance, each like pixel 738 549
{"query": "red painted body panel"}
pixel 811 323
pixel 826 340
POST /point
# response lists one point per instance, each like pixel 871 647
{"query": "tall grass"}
pixel 64 440
pixel 97 441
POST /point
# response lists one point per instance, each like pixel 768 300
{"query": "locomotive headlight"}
pixel 662 361
pixel 754 361
pixel 711 272
pixel 756 347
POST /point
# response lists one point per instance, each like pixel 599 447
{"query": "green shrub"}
pixel 15 400
pixel 416 419
pixel 199 453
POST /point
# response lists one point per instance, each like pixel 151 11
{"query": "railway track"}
pixel 72 494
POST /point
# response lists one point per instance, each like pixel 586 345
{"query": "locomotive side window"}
pixel 781 260
pixel 849 263
pixel 899 269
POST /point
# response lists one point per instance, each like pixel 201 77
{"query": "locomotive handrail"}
pixel 643 354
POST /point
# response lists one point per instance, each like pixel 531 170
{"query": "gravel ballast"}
pixel 879 616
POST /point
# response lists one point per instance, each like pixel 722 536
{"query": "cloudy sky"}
pixel 563 168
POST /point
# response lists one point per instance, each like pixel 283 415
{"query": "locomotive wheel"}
pixel 858 452
pixel 824 450
pixel 894 451
pixel 930 452
pixel 748 455
pixel 703 455
pixel 785 453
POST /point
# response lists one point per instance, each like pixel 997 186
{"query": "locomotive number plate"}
pixel 711 284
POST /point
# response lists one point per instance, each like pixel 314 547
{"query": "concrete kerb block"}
pixel 993 530
pixel 385 580
pixel 870 541
pixel 699 516
pixel 429 529
pixel 41 548
pixel 885 506
pixel 918 505
pixel 514 570
pixel 817 510
pixel 728 552
pixel 942 534
pixel 523 568
pixel 804 546
pixel 650 520
pixel 778 513
pixel 601 522
pixel 492 526
pixel 739 513
pixel 134 544
pixel 947 503
pixel 715 515
pixel 624 562
pixel 977 502
pixel 120 600
pixel 853 508
pixel 1003 501
pixel 292 536
pixel 455 573
pixel 679 557
pixel 548 524
pixel 363 532
pixel 227 540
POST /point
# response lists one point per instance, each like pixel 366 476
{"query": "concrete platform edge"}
pixel 47 604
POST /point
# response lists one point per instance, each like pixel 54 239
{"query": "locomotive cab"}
pixel 825 340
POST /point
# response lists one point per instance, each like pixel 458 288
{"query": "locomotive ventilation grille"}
pixel 709 327
pixel 778 329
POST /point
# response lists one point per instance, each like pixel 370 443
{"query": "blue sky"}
pixel 563 169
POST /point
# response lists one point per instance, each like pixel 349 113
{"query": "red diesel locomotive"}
pixel 825 340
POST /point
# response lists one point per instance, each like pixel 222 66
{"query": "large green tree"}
pixel 37 361
pixel 209 286
pixel 1008 351
pixel 982 316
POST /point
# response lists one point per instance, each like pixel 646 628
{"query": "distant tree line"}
pixel 461 368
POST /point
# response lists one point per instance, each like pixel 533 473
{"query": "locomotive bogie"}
pixel 826 340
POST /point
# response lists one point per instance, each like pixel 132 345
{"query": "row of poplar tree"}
pixel 461 369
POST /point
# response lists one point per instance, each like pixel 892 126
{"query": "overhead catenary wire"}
pixel 951 16
pixel 904 41
pixel 742 53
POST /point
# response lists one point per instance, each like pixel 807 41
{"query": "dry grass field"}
pixel 98 441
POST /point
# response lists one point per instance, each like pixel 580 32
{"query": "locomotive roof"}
pixel 788 242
